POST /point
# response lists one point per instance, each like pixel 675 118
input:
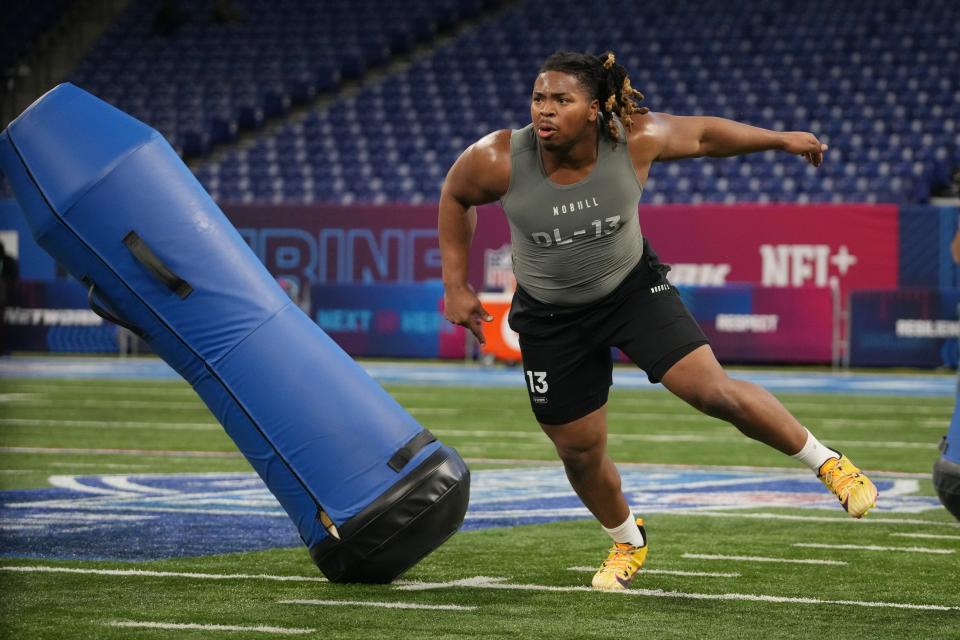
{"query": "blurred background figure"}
pixel 946 471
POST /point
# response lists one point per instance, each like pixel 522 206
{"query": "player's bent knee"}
pixel 719 400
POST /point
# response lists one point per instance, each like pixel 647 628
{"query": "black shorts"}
pixel 568 366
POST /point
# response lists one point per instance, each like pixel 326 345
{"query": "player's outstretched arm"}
pixel 677 137
pixel 480 175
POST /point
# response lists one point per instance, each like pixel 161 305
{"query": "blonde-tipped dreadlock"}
pixel 620 95
pixel 606 81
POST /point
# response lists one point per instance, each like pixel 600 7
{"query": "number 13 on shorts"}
pixel 537 381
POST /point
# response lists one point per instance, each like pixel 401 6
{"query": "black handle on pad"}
pixel 155 265
pixel 105 313
pixel 406 453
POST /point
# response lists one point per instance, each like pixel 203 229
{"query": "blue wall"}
pixel 925 234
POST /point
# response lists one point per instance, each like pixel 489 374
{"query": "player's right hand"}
pixel 804 143
pixel 462 306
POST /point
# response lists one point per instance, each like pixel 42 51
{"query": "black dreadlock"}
pixel 604 80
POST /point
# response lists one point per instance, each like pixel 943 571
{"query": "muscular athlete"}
pixel 570 183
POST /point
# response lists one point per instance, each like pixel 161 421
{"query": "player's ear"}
pixel 593 110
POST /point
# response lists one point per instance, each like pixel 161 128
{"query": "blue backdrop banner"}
pixel 393 320
pixel 911 327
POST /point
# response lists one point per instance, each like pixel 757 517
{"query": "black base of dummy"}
pixel 946 480
pixel 402 526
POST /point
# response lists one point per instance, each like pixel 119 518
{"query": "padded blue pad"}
pixel 317 429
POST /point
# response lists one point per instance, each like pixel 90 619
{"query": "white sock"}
pixel 814 454
pixel 627 533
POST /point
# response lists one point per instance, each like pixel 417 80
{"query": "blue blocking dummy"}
pixel 370 491
pixel 946 470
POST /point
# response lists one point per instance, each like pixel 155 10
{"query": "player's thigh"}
pixel 566 377
pixel 658 333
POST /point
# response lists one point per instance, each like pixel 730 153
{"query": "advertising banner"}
pixel 743 323
pixel 387 320
pixel 772 245
pixel 333 244
pixel 53 316
pixel 913 327
pixel 765 324
pixel 777 245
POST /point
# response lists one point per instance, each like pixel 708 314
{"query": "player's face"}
pixel 561 110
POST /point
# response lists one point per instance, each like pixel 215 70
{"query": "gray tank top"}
pixel 572 244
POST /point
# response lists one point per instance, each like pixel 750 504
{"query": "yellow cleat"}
pixel 855 491
pixel 622 565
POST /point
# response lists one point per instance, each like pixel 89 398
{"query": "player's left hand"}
pixel 804 143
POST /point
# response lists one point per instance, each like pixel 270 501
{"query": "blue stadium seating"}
pixel 23 22
pixel 878 81
pixel 206 80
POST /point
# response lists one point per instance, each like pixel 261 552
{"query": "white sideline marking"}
pixel 932 536
pixel 162 574
pixel 382 605
pixel 484 582
pixel 706 556
pixel 785 516
pixel 133 624
pixel 870 547
pixel 669 572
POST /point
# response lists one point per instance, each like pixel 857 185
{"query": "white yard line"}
pixel 279 513
pixel 707 556
pixel 101 424
pixel 871 547
pixel 484 434
pixel 97 465
pixel 883 408
pixel 784 516
pixel 433 411
pixel 74 518
pixel 192 404
pixel 107 390
pixel 670 572
pixel 704 420
pixel 147 453
pixel 793 471
pixel 180 626
pixel 380 605
pixel 483 582
pixel 15 397
pixel 932 536
pixel 160 574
